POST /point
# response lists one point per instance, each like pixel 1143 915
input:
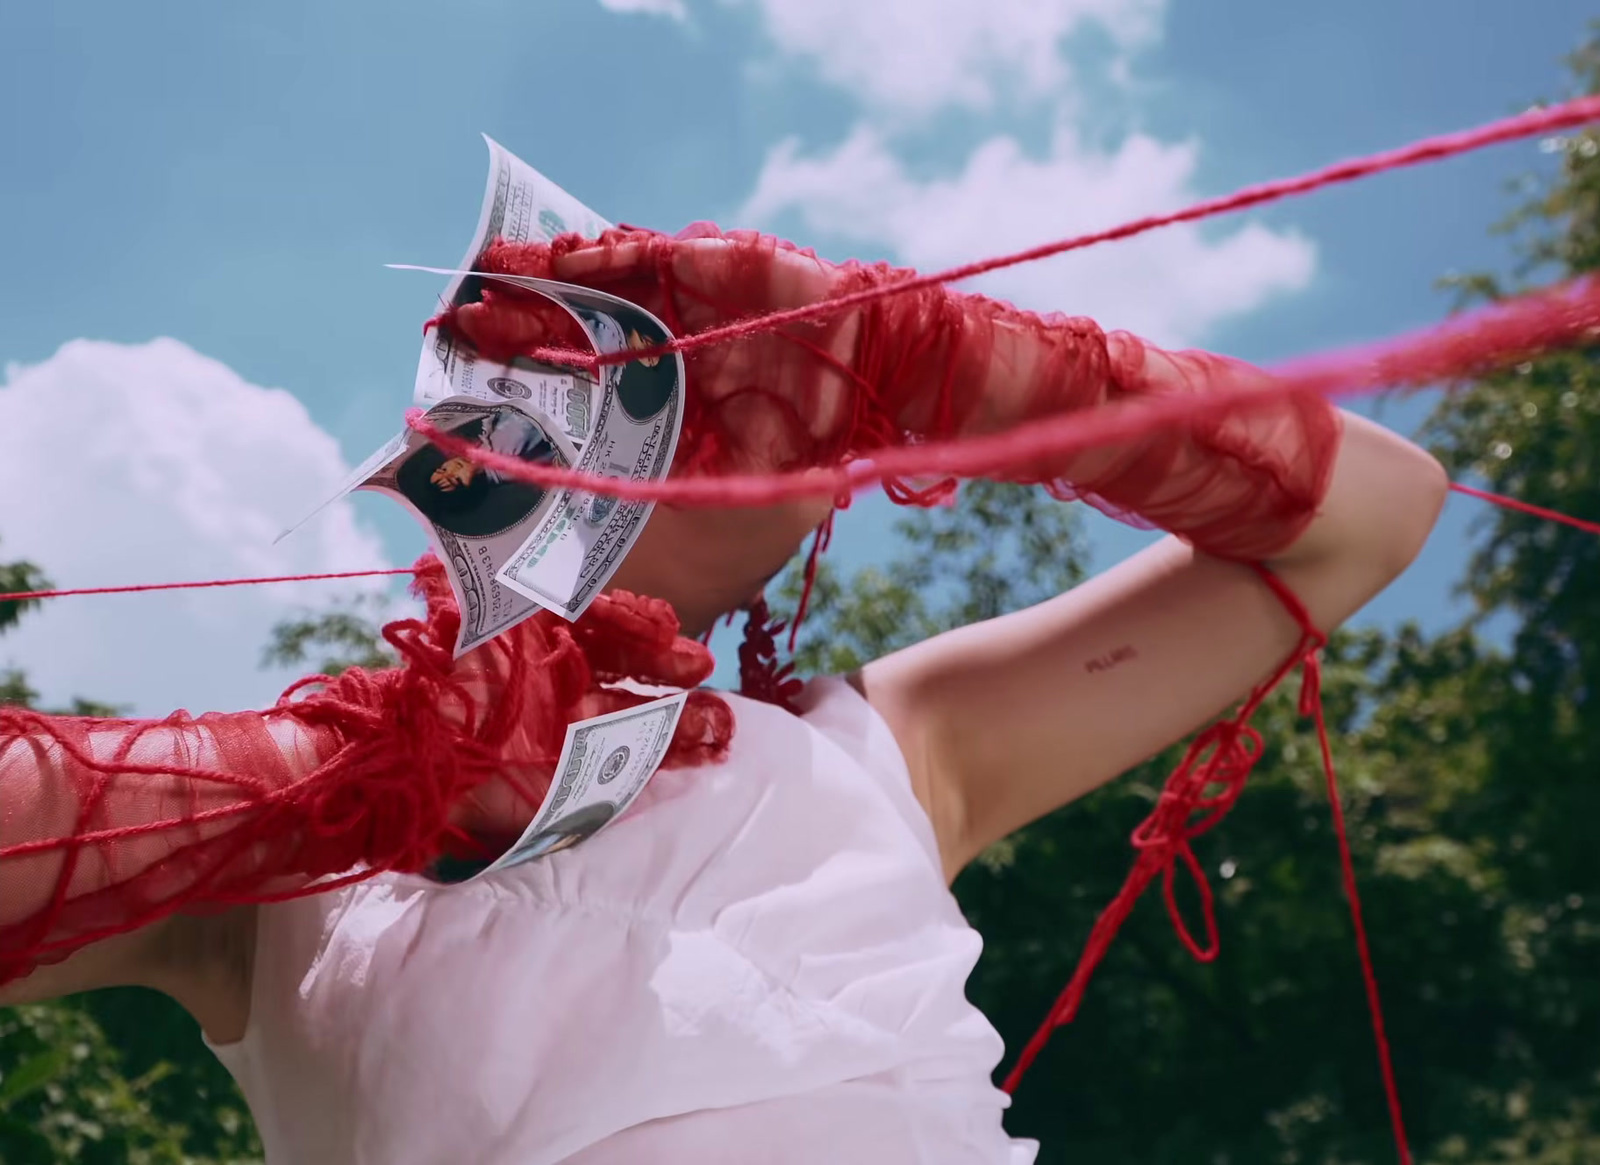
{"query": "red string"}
pixel 1311 705
pixel 1311 699
pixel 1472 343
pixel 1531 123
pixel 1504 332
pixel 820 542
pixel 1222 758
pixel 1527 508
pixel 30 596
pixel 137 588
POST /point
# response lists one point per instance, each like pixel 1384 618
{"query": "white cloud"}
pixel 672 8
pixel 149 463
pixel 920 55
pixel 1171 286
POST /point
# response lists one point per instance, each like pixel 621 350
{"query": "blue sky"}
pixel 234 177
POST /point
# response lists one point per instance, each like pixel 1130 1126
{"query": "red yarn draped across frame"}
pixel 108 825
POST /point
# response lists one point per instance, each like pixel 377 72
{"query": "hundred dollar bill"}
pixel 477 518
pixel 621 421
pixel 632 434
pixel 624 422
pixel 605 763
pixel 582 539
pixel 562 551
pixel 520 205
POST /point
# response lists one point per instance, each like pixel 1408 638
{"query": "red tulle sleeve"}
pixel 108 825
pixel 931 363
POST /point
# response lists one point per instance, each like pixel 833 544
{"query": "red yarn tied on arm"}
pixel 110 825
pixel 1197 796
pixel 927 364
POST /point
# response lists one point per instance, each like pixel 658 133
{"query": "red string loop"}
pixel 1207 905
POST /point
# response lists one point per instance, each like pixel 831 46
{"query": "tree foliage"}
pixel 1470 776
pixel 349 635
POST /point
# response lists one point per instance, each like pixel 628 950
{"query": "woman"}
pixel 761 961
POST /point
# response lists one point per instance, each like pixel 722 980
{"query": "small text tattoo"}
pixel 1111 659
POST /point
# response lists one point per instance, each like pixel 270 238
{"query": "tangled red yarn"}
pixel 112 824
pixel 921 366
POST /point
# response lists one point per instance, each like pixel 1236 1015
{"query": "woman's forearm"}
pixel 103 822
pixel 1241 482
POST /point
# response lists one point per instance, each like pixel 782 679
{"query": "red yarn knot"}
pixel 382 773
pixel 1209 781
pixel 1199 793
pixel 1311 681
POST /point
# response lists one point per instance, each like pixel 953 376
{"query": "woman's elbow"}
pixel 1421 487
pixel 1384 499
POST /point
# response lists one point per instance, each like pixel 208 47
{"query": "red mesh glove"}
pixel 928 364
pixel 107 825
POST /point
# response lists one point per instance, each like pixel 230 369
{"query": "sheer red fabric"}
pixel 931 363
pixel 108 825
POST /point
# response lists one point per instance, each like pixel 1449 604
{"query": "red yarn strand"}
pixel 1223 756
pixel 1532 123
pixel 1311 706
pixel 1311 699
pixel 1527 508
pixel 140 588
pixel 1471 343
pixel 1503 500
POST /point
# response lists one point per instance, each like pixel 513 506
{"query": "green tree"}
pixel 19 578
pixel 1534 432
pixel 998 550
pixel 1470 781
pixel 345 636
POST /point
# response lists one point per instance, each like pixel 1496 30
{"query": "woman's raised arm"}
pixel 1004 721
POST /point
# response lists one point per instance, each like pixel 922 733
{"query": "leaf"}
pixel 33 1074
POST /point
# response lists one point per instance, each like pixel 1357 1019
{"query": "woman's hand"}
pixel 760 405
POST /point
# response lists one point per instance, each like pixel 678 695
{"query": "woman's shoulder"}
pixel 834 709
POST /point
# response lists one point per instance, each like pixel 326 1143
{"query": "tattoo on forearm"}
pixel 1111 659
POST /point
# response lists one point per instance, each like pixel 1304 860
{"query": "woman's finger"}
pixel 602 259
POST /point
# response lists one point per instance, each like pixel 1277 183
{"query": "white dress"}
pixel 758 963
